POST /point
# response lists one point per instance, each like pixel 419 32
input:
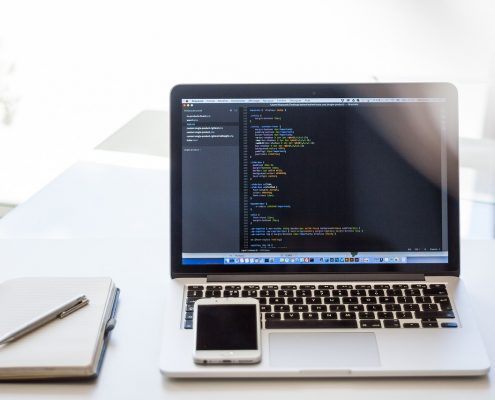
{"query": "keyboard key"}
pixel 189 315
pixel 392 307
pixel 400 286
pixel 188 324
pixel 441 299
pixel 232 287
pixel 374 307
pixel 269 287
pixel 429 324
pixel 410 325
pixel 303 293
pixel 376 292
pixel 279 308
pixel 189 307
pixel 291 315
pixel 367 315
pixel 347 315
pixel 191 300
pixel 370 323
pixel 277 300
pixel 288 287
pixel 214 287
pixel 251 287
pixel 386 299
pixel 322 292
pixel 325 287
pixel 332 300
pixel 230 293
pixel 213 293
pixel 336 307
pixel 411 307
pixel 311 324
pixel 385 315
pixel 448 324
pixel 381 287
pixel 310 315
pixel 430 307
pixel 267 293
pixel 295 300
pixel 437 286
pixel 419 286
pixel 194 293
pixel 313 300
pixel 363 286
pixel 391 323
pixel 344 286
pixel 340 293
pixel 285 293
pixel 404 315
pixel 394 292
pixel 195 287
pixel 318 308
pixel 355 307
pixel 358 292
pixel 412 292
pixel 265 308
pixel 434 292
pixel 329 315
pixel 368 300
pixel 272 315
pixel 299 307
pixel 307 287
pixel 350 300
pixel 434 314
pixel 262 300
pixel 249 293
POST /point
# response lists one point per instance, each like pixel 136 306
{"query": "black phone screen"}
pixel 226 327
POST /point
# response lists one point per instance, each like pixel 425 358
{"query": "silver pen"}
pixel 60 311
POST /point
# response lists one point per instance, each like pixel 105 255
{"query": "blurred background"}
pixel 74 72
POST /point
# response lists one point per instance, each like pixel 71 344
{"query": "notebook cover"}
pixel 71 347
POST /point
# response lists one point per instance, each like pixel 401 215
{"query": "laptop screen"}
pixel 304 181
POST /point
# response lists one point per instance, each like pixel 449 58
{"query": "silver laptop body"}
pixel 337 207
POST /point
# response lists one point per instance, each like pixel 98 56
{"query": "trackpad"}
pixel 323 350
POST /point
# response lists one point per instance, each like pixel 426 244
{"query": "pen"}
pixel 60 311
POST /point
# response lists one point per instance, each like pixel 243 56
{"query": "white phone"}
pixel 227 331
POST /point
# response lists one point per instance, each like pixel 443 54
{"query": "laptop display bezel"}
pixel 444 90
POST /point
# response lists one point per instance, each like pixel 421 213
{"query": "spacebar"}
pixel 310 324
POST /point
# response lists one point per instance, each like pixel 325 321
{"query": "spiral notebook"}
pixel 72 347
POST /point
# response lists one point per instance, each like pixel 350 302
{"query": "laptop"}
pixel 336 206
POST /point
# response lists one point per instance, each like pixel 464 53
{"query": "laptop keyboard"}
pixel 334 306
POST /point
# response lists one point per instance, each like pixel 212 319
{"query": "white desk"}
pixel 113 221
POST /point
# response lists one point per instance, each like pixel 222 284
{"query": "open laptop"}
pixel 336 205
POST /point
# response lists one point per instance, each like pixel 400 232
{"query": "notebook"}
pixel 71 347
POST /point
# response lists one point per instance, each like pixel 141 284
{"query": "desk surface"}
pixel 100 219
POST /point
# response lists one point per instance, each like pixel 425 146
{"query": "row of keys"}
pixel 343 307
pixel 346 323
pixel 302 286
pixel 442 301
pixel 317 292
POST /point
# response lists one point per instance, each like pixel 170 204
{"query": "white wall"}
pixel 83 68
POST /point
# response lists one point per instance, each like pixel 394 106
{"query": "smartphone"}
pixel 227 331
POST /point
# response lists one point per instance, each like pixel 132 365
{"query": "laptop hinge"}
pixel 314 277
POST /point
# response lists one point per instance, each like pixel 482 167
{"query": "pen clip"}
pixel 84 301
